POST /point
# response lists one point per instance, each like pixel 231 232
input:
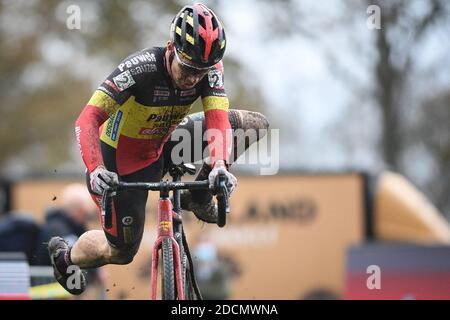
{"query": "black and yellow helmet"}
pixel 198 36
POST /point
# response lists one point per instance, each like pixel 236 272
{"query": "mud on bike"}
pixel 178 276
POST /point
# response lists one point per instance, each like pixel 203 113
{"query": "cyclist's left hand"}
pixel 231 179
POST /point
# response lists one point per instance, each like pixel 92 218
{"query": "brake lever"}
pixel 224 193
pixel 107 207
pixel 222 199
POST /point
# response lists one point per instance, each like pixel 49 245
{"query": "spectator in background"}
pixel 212 274
pixel 69 220
pixel 19 232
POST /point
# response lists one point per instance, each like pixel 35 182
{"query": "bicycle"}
pixel 178 277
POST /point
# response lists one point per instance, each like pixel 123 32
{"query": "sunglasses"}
pixel 188 69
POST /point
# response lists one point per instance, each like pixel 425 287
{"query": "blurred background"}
pixel 364 140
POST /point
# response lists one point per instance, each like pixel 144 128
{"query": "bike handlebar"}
pixel 219 189
pixel 160 186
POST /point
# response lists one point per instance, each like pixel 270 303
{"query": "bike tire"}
pixel 191 290
pixel 188 289
pixel 168 269
pixel 183 269
pixel 189 293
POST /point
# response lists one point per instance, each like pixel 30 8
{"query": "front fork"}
pixel 166 216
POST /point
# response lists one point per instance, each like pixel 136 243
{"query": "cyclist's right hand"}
pixel 231 181
pixel 101 179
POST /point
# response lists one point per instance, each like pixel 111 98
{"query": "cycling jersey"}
pixel 137 107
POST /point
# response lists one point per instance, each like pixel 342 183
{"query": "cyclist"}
pixel 124 134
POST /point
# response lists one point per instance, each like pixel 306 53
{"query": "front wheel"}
pixel 168 276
